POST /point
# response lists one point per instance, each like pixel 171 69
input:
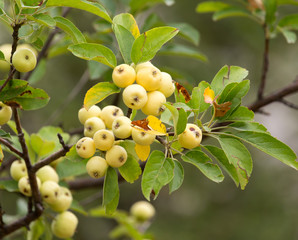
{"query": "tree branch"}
pixel 11 148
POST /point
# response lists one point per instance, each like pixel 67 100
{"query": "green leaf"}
pixel 38 73
pixel 67 168
pixel 138 5
pixel 178 177
pixel 2 57
pixel 211 6
pixel 68 27
pixel 248 126
pixel 50 133
pixel 227 75
pixel 158 172
pixel 93 51
pixel 99 92
pixel 182 51
pixel 110 191
pixel 12 89
pixel 147 44
pixel 88 6
pixel 76 206
pixel 152 21
pixel 125 41
pixel 231 12
pixel 4 134
pixel 9 185
pixel 270 9
pixel 41 146
pixel 289 22
pixel 197 97
pixel 37 229
pixel 96 69
pixel 129 146
pixel 204 164
pixel 43 19
pixel 179 118
pixel 31 99
pixel 188 32
pixel 241 114
pixel 290 36
pixel 224 162
pixel 127 21
pixel 131 170
pixel 270 145
pixel 236 153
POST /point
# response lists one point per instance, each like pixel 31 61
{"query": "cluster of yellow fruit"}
pixel 58 198
pixel 150 91
pixel 23 59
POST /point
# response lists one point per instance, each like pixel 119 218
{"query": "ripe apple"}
pixel 24 186
pixel 167 86
pixel 142 137
pixel 85 147
pixel 109 114
pixel 134 96
pixel 18 169
pixel 64 225
pixel 5 64
pixel 93 111
pixel 63 201
pixel 26 45
pixel 96 167
pixel 191 137
pixel 116 156
pixel 103 139
pixel 122 127
pixel 149 78
pixel 47 173
pixel 142 211
pixel 143 65
pixel 123 75
pixel 154 105
pixel 50 191
pixel 24 60
pixel 5 113
pixel 92 125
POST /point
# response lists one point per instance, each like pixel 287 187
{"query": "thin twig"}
pixel 11 148
pixel 289 104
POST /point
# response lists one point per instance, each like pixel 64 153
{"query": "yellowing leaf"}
pixel 142 151
pixel 156 125
pixel 209 95
pixel 151 125
pixel 1 155
pixel 221 109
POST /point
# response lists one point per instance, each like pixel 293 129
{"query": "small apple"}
pixel 142 211
pixel 149 78
pixel 92 125
pixel 134 96
pixel 18 169
pixel 116 156
pixel 154 105
pixel 26 45
pixel 143 65
pixel 191 137
pixel 141 137
pixel 5 64
pixel 122 127
pixel 109 114
pixel 93 111
pixel 49 191
pixel 103 139
pixel 96 167
pixel 63 201
pixel 167 86
pixel 5 113
pixel 85 147
pixel 64 225
pixel 24 186
pixel 47 173
pixel 24 60
pixel 123 75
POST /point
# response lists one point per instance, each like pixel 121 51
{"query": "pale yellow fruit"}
pixel 85 147
pixel 92 125
pixel 143 65
pixel 191 137
pixel 96 167
pixel 49 191
pixel 5 65
pixel 149 78
pixel 64 225
pixel 116 156
pixel 18 169
pixel 26 45
pixel 123 75
pixel 141 137
pixel 122 127
pixel 93 111
pixel 103 139
pixel 24 186
pixel 63 201
pixel 109 114
pixel 47 173
pixel 134 96
pixel 154 105
pixel 24 60
pixel 167 86
pixel 142 210
pixel 5 113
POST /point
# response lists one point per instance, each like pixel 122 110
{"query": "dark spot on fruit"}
pixel 120 69
pixel 89 128
pixel 197 134
pixel 136 99
pixel 78 146
pixel 23 169
pixel 84 148
pixel 19 161
pixel 66 194
pixel 143 134
pixel 26 190
pixel 26 57
pixel 117 125
pixel 161 109
pixel 104 136
pixel 0 108
pixel 56 194
pixel 115 113
pixel 83 140
pixel 121 159
pixel 192 129
pixel 154 73
pixel 132 104
pixel 45 196
pixel 95 174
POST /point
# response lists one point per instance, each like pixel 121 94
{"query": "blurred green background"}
pixel 200 209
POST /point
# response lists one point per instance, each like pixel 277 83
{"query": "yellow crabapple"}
pixel 191 137
pixel 154 105
pixel 18 169
pixel 167 86
pixel 64 225
pixel 149 78
pixel 143 65
pixel 103 139
pixel 85 147
pixel 96 167
pixel 24 185
pixel 109 114
pixel 116 156
pixel 50 191
pixel 123 75
pixel 5 113
pixel 93 111
pixel 92 125
pixel 63 201
pixel 24 60
pixel 141 137
pixel 134 96
pixel 122 127
pixel 142 210
pixel 47 173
